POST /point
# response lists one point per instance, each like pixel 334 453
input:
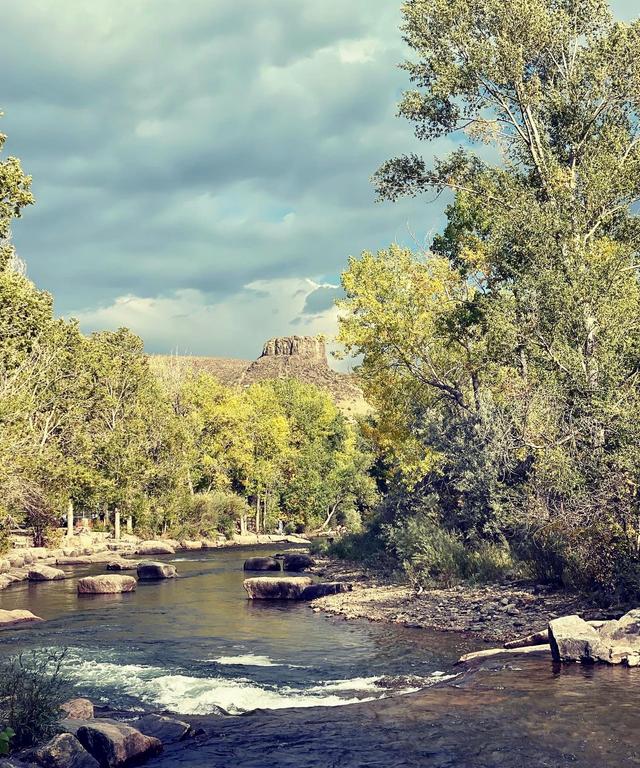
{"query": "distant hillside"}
pixel 297 357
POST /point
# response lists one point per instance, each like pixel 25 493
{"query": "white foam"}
pixel 200 695
pixel 246 660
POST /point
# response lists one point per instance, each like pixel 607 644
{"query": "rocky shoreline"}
pixel 497 613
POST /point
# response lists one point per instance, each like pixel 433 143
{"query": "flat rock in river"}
pixel 107 584
pixel 17 617
pixel 156 548
pixel 267 588
pixel 167 729
pixel 45 573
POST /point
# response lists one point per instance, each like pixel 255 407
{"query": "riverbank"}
pixel 497 613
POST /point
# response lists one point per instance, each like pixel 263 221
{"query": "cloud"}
pixel 321 299
pixel 182 152
pixel 188 321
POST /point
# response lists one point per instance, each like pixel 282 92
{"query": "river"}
pixel 324 691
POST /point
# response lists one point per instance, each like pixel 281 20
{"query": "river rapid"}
pixel 314 691
pixel 196 643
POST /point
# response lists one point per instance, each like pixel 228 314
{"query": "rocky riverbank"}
pixel 496 612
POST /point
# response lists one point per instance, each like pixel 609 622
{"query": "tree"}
pixel 540 322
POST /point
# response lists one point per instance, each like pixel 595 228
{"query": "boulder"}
pixel 78 709
pixel 156 548
pixel 265 588
pixel 261 564
pixel 297 562
pixel 191 545
pixel 65 751
pixel 122 565
pixel 572 639
pixel 149 571
pixel 15 561
pixel 113 744
pixel 622 639
pixel 45 573
pixel 17 617
pixel 167 729
pixel 107 584
pixel 322 590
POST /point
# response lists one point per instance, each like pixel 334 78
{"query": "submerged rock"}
pixel 297 562
pixel 108 584
pixel 287 588
pixel 65 751
pixel 322 590
pixel 114 744
pixel 122 565
pixel 149 571
pixel 167 729
pixel 261 564
pixel 45 573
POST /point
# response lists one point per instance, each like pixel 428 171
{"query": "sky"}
pixel 202 169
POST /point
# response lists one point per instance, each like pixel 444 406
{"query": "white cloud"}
pixel 190 322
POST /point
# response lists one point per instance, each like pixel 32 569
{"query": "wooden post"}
pixel 129 524
pixel 70 518
pixel 116 534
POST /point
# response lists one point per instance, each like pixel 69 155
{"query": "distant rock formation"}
pixel 286 357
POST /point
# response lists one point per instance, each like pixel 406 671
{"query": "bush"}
pixel 32 690
pixel 206 514
pixel 427 552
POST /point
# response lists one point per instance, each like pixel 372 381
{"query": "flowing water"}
pixel 194 644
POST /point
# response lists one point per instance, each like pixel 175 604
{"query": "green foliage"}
pixel 5 740
pixel 32 690
pixel 504 363
pixel 203 515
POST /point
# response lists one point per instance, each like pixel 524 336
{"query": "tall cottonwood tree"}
pixel 542 237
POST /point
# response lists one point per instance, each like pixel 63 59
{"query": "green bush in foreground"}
pixel 32 690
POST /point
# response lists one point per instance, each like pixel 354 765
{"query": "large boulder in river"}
pixel 107 584
pixel 45 573
pixel 322 590
pixel 572 639
pixel 622 639
pixel 297 562
pixel 286 588
pixel 17 617
pixel 156 548
pixel 261 564
pixel 149 571
pixel 65 751
pixel 114 744
pixel 167 729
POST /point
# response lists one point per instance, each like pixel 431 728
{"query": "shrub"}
pixel 32 689
pixel 205 514
pixel 5 740
pixel 427 552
